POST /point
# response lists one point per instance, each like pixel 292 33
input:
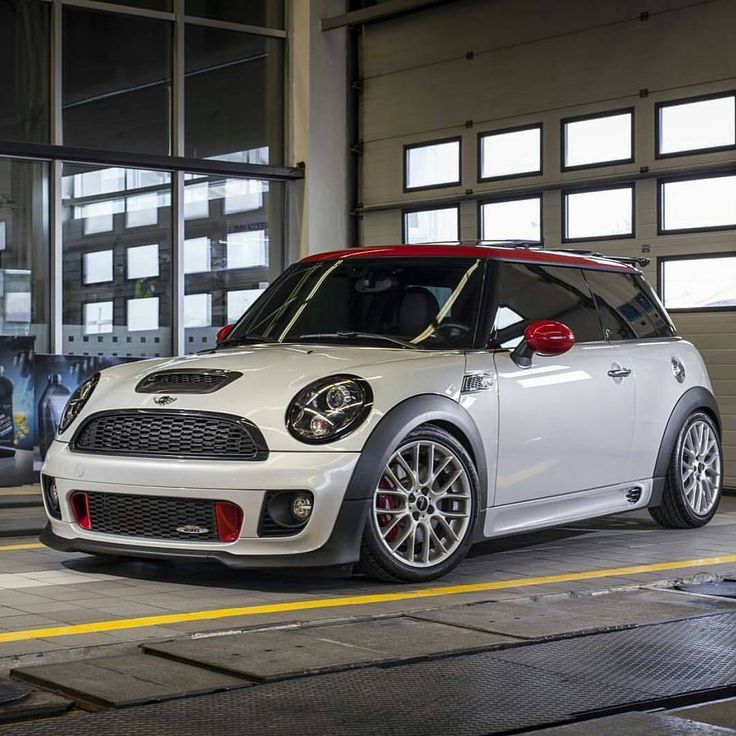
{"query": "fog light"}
pixel 285 513
pixel 301 506
pixel 51 497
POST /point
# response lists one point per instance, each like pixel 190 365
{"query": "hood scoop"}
pixel 186 381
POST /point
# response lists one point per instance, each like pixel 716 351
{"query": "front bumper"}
pixel 331 537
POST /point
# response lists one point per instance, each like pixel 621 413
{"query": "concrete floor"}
pixel 58 605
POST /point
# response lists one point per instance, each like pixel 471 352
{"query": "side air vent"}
pixel 633 494
pixel 186 381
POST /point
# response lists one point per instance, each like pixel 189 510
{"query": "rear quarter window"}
pixel 628 308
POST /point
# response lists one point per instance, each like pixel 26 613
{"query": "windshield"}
pixel 396 302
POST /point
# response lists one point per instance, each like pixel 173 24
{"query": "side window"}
pixel 628 308
pixel 525 293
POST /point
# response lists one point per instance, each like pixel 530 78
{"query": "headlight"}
pixel 76 403
pixel 329 409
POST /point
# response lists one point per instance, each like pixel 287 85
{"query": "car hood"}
pixel 272 374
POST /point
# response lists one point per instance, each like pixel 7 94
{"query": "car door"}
pixel 565 422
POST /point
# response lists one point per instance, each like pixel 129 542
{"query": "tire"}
pixel 419 525
pixel 694 479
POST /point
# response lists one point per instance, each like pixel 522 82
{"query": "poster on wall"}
pixel 17 404
pixel 56 378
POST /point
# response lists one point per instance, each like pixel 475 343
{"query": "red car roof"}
pixel 505 253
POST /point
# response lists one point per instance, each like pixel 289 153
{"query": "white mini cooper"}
pixel 389 406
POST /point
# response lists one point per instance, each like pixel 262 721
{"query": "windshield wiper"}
pixel 349 335
pixel 245 340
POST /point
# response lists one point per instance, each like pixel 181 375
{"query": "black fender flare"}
pixel 390 430
pixel 694 399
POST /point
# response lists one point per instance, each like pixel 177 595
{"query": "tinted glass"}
pixel 429 304
pixel 526 293
pixel 24 251
pixel 267 13
pixel 24 59
pixel 233 96
pixel 116 81
pixel 162 5
pixel 232 251
pixel 628 307
pixel 116 261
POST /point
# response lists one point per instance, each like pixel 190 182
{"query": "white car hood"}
pixel 274 373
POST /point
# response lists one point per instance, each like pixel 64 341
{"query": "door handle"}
pixel 619 372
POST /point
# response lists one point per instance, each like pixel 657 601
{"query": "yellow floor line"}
pixel 15 547
pixel 358 600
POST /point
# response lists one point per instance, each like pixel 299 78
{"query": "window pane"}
pixel 24 251
pixel 600 214
pixel 699 283
pixel 24 59
pixel 143 262
pixel 433 165
pixel 233 95
pixel 524 294
pixel 267 13
pixel 143 314
pixel 514 219
pixel 97 267
pixel 699 203
pixel 116 84
pixel 128 315
pixel 628 309
pixel 162 5
pixel 598 140
pixel 431 226
pixel 513 152
pixel 232 255
pixel 696 125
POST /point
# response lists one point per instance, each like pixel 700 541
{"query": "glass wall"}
pixel 228 257
pixel 135 227
pixel 24 251
pixel 24 59
pixel 113 97
pixel 117 262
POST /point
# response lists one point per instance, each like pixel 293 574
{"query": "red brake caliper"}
pixel 387 501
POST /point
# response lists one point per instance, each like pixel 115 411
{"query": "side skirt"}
pixel 570 507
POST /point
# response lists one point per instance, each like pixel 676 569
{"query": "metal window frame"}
pixel 511 198
pixel 424 208
pixel 427 144
pixel 662 262
pixel 659 106
pixel 502 131
pixel 663 180
pixel 596 116
pixel 176 165
pixel 566 192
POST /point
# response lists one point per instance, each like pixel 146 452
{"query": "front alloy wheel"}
pixel 423 509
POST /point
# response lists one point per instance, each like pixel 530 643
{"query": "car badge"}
pixel 163 400
pixel 192 529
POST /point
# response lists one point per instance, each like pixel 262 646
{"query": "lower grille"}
pixel 152 517
pixel 171 433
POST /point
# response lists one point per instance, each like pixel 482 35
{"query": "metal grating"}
pixel 162 433
pixel 493 692
pixel 184 381
pixel 151 517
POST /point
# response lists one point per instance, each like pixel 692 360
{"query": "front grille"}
pixel 171 433
pixel 186 381
pixel 152 517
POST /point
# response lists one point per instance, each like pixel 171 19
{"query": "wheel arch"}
pixel 695 399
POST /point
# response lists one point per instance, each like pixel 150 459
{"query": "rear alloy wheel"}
pixel 693 486
pixel 423 510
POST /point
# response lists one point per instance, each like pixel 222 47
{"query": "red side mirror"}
pixel 547 337
pixel 222 333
